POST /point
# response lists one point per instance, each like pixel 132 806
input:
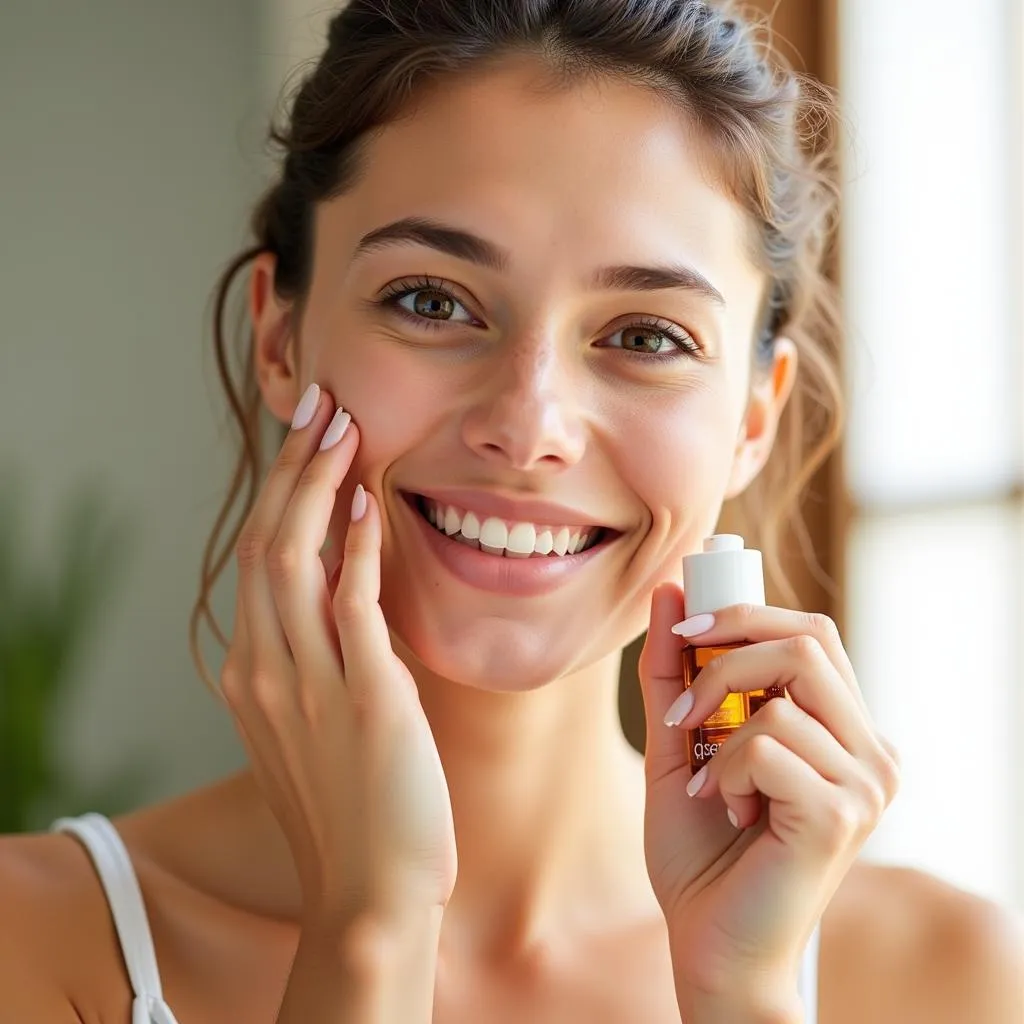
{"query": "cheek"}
pixel 393 398
pixel 679 456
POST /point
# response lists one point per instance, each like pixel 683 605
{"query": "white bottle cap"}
pixel 724 573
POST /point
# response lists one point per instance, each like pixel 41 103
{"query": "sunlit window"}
pixel 932 242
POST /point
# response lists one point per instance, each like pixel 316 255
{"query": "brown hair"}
pixel 770 132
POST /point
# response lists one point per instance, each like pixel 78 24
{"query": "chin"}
pixel 489 653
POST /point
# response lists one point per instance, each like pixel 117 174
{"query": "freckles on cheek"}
pixel 681 459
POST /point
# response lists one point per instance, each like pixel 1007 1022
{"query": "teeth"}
pixel 493 534
pixel 451 521
pixel 471 527
pixel 521 539
pixel 496 537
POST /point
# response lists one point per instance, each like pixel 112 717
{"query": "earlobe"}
pixel 274 361
pixel 769 394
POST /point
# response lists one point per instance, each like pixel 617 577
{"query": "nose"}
pixel 528 416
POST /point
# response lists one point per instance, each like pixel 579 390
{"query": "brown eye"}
pixel 643 339
pixel 653 339
pixel 434 304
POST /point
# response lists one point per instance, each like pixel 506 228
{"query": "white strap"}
pixel 809 977
pixel 114 867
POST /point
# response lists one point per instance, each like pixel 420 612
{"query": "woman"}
pixel 543 270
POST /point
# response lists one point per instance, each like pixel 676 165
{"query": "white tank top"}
pixel 114 867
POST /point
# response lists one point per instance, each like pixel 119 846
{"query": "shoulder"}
pixel 55 930
pixel 901 945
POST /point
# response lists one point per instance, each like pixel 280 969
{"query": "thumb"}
pixel 661 679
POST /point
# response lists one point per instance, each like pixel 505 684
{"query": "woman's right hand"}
pixel 329 715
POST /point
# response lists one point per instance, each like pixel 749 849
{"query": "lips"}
pixel 508 570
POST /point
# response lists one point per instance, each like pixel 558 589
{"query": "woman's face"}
pixel 496 354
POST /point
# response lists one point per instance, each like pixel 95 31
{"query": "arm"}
pixel 979 974
pixel 367 974
pixel 29 959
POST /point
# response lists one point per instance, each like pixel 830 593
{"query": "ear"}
pixel 770 390
pixel 274 346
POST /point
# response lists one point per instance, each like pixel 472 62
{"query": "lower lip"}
pixel 522 577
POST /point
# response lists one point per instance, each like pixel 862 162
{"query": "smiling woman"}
pixel 530 294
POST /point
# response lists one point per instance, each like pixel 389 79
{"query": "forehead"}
pixel 600 171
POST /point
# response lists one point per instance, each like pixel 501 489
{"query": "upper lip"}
pixel 544 513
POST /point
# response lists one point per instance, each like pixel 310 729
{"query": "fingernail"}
pixel 306 408
pixel 681 707
pixel 336 431
pixel 694 786
pixel 358 503
pixel 732 817
pixel 694 626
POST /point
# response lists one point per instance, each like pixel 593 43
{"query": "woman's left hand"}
pixel 745 855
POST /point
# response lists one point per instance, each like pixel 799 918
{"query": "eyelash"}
pixel 684 342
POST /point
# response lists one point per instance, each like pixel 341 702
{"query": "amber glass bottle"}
pixel 723 574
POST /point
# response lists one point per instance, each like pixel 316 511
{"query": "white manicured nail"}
pixel 358 503
pixel 694 626
pixel 694 786
pixel 732 817
pixel 336 431
pixel 681 707
pixel 306 408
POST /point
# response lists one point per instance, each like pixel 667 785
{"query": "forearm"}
pixel 365 974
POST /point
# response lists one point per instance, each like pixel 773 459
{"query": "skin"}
pixel 572 908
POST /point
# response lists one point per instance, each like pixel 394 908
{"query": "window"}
pixel 933 282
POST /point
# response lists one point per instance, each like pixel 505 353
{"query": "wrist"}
pixel 740 997
pixel 385 965
pixel 740 1005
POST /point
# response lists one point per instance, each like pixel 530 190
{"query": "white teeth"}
pixel 493 533
pixel 521 539
pixel 471 527
pixel 497 537
pixel 451 521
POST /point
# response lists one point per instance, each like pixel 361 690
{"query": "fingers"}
pixel 809 741
pixel 297 572
pixel 250 700
pixel 799 664
pixel 362 629
pixel 756 623
pixel 266 633
pixel 805 810
pixel 660 671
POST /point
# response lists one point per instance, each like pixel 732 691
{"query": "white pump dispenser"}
pixel 724 573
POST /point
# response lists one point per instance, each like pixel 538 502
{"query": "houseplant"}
pixel 49 609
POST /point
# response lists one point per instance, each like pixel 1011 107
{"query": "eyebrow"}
pixel 465 245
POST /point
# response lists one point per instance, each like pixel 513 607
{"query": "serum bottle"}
pixel 724 573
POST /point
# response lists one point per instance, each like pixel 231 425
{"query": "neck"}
pixel 547 798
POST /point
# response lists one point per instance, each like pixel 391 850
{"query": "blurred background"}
pixel 133 146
